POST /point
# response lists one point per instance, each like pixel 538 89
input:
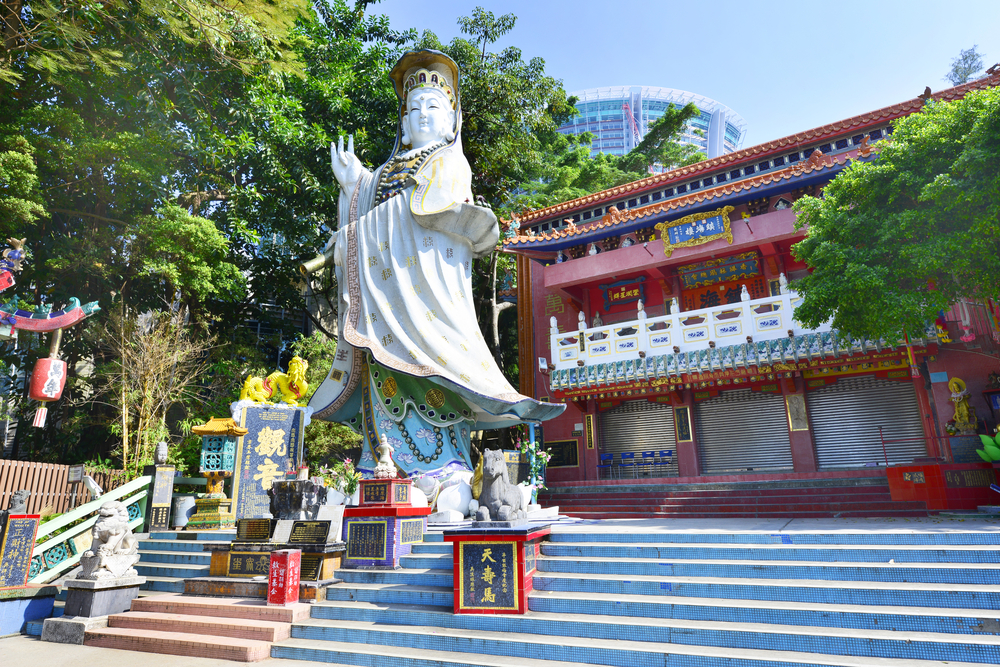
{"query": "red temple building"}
pixel 660 312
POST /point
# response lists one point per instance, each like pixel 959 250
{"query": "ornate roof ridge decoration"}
pixel 816 162
pixel 815 134
pixel 220 426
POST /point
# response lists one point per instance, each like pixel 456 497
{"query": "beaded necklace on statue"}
pixel 393 178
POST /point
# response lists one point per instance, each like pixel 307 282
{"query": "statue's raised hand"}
pixel 346 165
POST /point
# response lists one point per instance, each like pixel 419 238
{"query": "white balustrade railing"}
pixel 770 318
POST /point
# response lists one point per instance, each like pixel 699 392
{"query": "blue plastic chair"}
pixel 665 458
pixel 630 457
pixel 646 464
pixel 607 462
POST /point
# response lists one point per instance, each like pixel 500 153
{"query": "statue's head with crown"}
pixel 427 86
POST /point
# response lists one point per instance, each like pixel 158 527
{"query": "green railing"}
pixel 61 552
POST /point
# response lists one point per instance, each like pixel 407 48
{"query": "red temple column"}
pixel 688 464
pixel 799 433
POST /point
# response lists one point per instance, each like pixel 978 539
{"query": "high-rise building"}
pixel 619 116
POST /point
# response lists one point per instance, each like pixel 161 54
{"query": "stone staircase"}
pixel 639 598
pixel 170 557
pixel 220 628
pixel 793 499
pixel 167 559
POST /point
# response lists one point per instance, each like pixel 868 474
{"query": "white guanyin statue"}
pixel 411 363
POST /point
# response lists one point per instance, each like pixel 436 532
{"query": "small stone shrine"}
pixel 108 581
pixel 304 522
pixel 20 602
pixel 218 456
pixel 386 525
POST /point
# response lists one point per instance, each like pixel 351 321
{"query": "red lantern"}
pixel 48 380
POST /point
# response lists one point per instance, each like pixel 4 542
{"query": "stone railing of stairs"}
pixel 794 499
pixel 705 599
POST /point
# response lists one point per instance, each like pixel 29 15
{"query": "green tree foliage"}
pixel 965 67
pixel 566 170
pixel 898 238
pixel 72 36
pixel 177 160
pixel 325 442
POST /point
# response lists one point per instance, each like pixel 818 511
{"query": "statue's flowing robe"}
pixel 407 323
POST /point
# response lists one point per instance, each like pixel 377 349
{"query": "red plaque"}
pixel 283 577
pixel 48 380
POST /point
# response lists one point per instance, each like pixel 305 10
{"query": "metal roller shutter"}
pixel 742 430
pixel 845 418
pixel 640 426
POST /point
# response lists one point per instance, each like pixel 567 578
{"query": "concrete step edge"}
pixel 819 607
pixel 773 563
pixel 783 583
pixel 188 639
pixel 199 619
pixel 735 655
pixel 391 654
pixel 905 636
pixel 776 605
pixel 990 548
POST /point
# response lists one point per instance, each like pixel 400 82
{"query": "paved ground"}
pixel 22 651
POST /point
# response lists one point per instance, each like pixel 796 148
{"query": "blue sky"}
pixel 785 66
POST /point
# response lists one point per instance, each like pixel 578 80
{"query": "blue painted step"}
pixel 866 538
pixel 438 596
pixel 908 572
pixel 587 624
pixel 960 596
pixel 824 553
pixel 507 640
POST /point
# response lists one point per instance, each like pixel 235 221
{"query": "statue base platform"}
pixel 377 535
pixel 246 560
pixel 100 597
pixel 493 569
pixel 71 630
pixel 230 587
pixel 212 514
pixel 25 603
pixel 499 525
pixel 394 492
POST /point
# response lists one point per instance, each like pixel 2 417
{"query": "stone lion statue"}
pixel 114 549
pixel 291 386
pixel 499 500
pixel 19 502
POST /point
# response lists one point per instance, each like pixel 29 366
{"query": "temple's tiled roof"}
pixel 762 150
pixel 816 162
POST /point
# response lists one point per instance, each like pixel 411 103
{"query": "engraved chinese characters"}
pixel 17 539
pixel 489 575
pixel 271 447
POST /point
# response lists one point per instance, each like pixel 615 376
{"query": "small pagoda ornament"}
pixel 218 456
